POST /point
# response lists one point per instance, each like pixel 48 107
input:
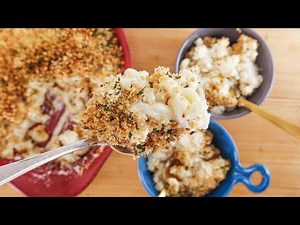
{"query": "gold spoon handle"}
pixel 283 124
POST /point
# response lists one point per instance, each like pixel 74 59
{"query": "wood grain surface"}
pixel 258 141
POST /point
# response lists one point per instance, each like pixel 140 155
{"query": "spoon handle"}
pixel 283 124
pixel 13 170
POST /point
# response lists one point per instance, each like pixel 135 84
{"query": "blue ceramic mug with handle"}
pixel 236 174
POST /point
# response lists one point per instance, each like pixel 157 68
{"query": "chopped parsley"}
pixel 106 107
pixel 129 118
pixel 97 105
pixel 129 135
pixel 140 148
pixel 169 131
pixel 111 118
pixel 84 127
pixel 151 84
pixel 116 83
pixel 155 129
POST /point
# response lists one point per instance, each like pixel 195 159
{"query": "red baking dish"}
pixel 49 180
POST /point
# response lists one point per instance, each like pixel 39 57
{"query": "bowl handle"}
pixel 243 175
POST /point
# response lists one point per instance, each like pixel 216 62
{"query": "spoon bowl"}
pixel 123 150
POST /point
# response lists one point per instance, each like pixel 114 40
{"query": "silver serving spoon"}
pixel 13 170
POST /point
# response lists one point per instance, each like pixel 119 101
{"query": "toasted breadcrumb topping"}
pixel 226 72
pixel 45 71
pixel 192 166
pixel 146 111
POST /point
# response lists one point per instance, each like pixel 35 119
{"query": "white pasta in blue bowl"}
pixel 205 163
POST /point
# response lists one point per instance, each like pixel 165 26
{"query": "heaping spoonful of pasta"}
pixel 135 113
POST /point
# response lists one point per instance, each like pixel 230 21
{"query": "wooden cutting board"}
pixel 258 141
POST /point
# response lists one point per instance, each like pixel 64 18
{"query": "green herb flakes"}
pixel 106 108
pixel 97 105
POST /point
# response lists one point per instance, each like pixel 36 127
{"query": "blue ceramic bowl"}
pixel 236 174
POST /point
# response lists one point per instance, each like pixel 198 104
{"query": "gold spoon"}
pixel 282 123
